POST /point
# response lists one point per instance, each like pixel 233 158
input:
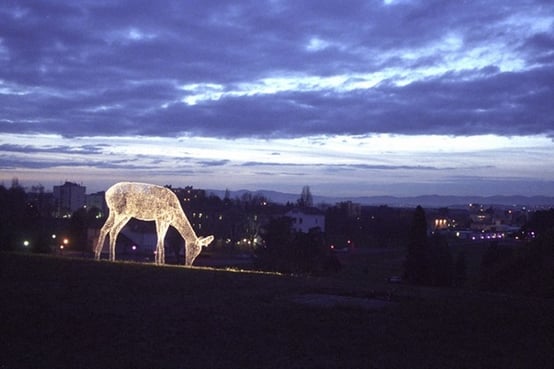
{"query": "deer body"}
pixel 148 202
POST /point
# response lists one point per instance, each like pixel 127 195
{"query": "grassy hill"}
pixel 77 313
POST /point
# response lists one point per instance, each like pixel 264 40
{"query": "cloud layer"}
pixel 277 68
pixel 279 90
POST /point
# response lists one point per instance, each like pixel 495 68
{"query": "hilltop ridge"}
pixel 408 201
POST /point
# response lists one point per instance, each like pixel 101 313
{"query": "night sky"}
pixel 397 97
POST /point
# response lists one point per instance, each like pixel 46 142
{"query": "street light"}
pixel 64 243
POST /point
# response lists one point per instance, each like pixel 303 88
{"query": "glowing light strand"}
pixel 148 202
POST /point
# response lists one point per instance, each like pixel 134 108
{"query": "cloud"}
pixel 343 167
pixel 276 68
pixel 213 163
pixel 12 162
pixel 31 149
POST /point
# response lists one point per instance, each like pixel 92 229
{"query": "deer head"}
pixel 194 248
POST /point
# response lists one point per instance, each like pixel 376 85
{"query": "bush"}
pixel 288 251
pixel 528 270
pixel 441 265
pixel 428 260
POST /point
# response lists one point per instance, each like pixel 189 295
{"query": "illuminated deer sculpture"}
pixel 148 202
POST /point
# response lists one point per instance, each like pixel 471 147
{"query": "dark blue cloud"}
pixel 213 163
pixel 31 149
pixel 118 68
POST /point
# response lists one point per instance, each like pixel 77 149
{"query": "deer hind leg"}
pixel 106 228
pixel 118 225
pixel 161 230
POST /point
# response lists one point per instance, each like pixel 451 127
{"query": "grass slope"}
pixel 74 313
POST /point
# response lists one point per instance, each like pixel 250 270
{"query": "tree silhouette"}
pixel 294 252
pixel 306 199
pixel 441 265
pixel 279 238
pixel 416 265
pixel 15 221
pixel 460 275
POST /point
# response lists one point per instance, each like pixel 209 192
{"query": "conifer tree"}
pixel 416 264
pixel 306 199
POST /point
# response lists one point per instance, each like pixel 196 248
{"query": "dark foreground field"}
pixel 75 313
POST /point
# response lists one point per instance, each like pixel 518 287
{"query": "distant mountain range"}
pixel 425 200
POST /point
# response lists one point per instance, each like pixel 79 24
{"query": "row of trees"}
pixel 15 216
pixel 527 270
pixel 26 222
pixel 376 226
pixel 429 259
pixel 285 250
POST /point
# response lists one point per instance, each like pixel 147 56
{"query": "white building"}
pixel 305 219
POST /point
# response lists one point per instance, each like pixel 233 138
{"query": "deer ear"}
pixel 207 240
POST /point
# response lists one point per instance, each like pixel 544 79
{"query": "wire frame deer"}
pixel 148 202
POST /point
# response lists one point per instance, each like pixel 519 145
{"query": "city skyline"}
pixel 367 98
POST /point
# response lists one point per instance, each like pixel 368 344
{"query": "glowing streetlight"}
pixel 26 243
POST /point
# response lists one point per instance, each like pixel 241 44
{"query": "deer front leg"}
pixel 106 228
pixel 119 223
pixel 161 230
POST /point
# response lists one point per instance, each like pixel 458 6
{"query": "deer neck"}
pixel 183 226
